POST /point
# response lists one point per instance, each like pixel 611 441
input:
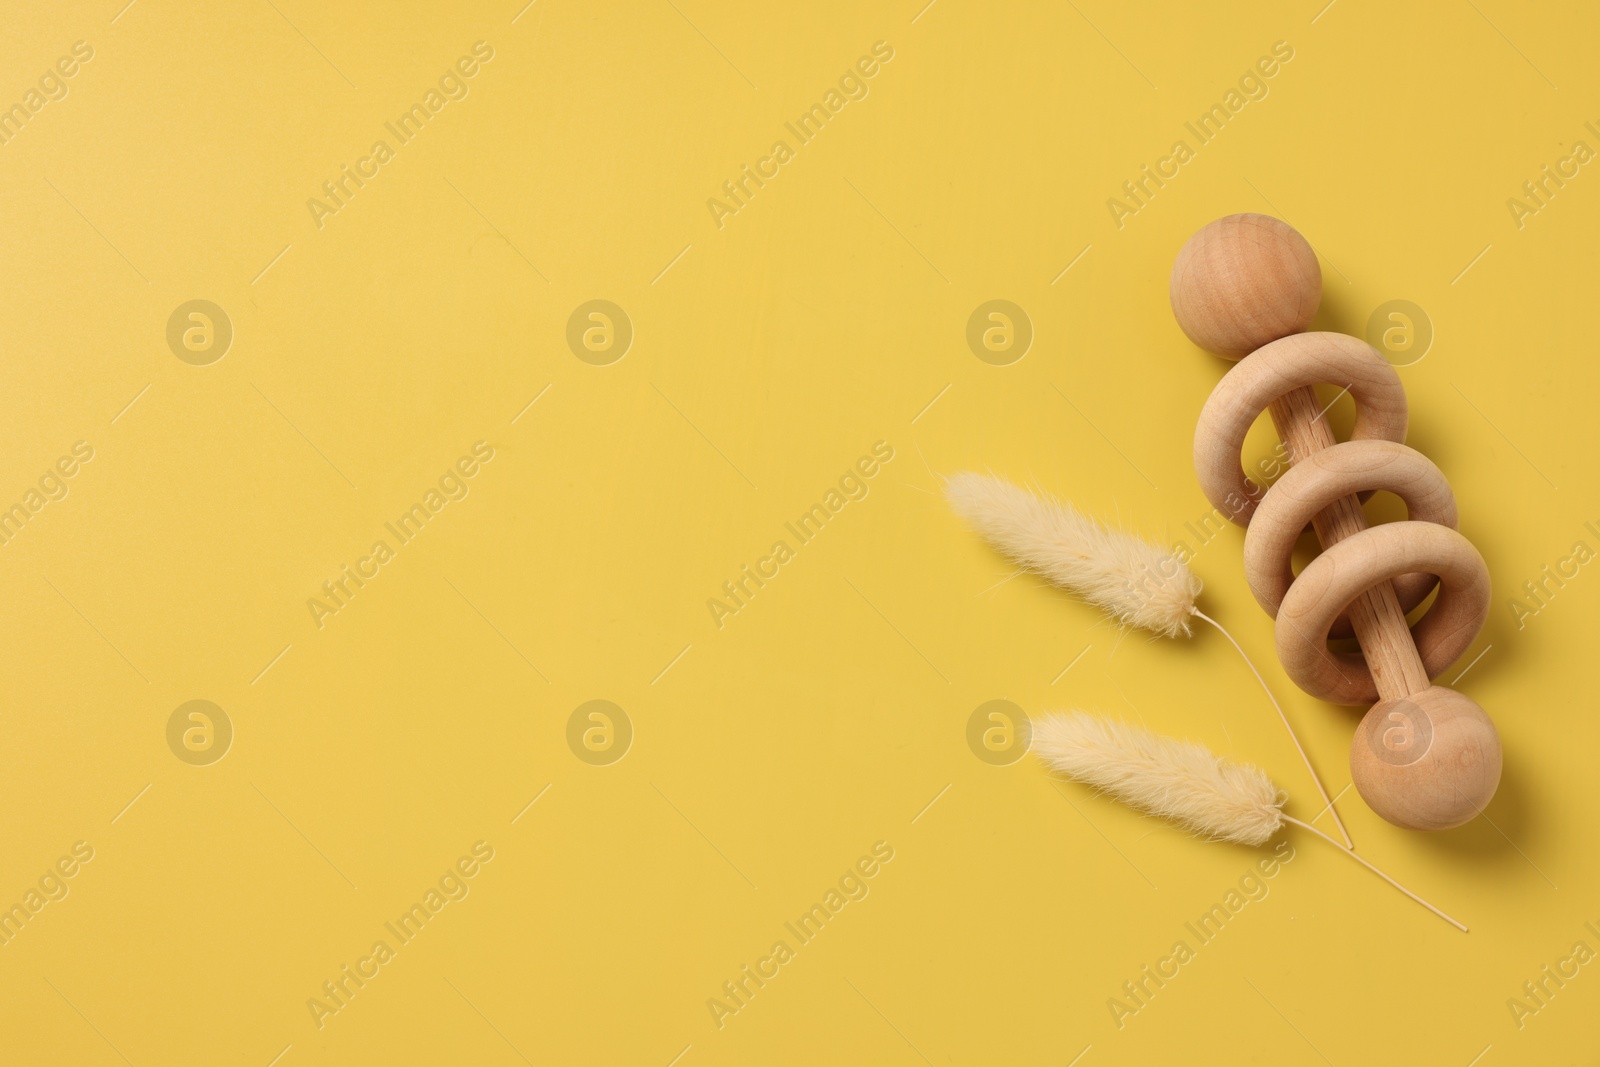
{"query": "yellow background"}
pixel 768 355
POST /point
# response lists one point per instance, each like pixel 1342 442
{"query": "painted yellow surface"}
pixel 399 380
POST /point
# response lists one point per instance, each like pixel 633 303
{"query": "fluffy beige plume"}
pixel 1178 780
pixel 1136 582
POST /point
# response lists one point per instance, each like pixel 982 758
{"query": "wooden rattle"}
pixel 1424 757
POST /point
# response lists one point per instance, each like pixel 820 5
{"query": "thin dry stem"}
pixel 1315 779
pixel 1359 859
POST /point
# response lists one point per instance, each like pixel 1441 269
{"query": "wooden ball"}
pixel 1243 281
pixel 1429 761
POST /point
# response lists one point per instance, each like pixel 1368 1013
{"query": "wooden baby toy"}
pixel 1424 757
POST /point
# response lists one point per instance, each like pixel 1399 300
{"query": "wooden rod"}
pixel 1379 623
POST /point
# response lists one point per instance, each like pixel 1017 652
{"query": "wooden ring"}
pixel 1346 570
pixel 1317 481
pixel 1302 359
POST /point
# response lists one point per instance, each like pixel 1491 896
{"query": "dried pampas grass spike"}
pixel 1178 780
pixel 1134 581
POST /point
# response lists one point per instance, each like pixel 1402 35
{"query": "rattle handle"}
pixel 1379 624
